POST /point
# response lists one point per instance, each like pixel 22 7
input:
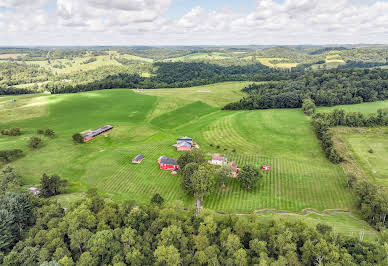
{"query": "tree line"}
pixel 362 64
pixel 323 121
pixel 97 232
pixel 325 88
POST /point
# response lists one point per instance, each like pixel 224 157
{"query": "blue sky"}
pixel 192 22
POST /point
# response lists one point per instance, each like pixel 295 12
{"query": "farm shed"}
pixel 168 163
pixel 96 132
pixel 34 190
pixel 138 158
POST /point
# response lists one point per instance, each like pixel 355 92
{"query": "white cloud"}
pixel 21 3
pixel 129 22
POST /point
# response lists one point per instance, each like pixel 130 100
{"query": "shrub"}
pixel 157 199
pixel 35 142
pixel 49 132
pixel 15 131
pixel 8 156
pixel 77 137
pixel 40 131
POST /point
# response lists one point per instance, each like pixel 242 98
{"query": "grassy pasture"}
pixel 374 164
pixel 360 140
pixel 267 62
pixel 343 223
pixel 300 178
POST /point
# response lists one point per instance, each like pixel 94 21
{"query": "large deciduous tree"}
pixel 193 156
pixel 224 174
pixel 248 176
pixel 52 185
pixel 203 182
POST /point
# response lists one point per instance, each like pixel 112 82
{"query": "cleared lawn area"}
pixel 365 108
pixel 374 164
pixel 300 178
pixel 343 223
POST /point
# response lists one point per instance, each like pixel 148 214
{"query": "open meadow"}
pixel 146 122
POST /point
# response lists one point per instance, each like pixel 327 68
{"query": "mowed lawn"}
pixel 301 177
pixel 361 140
pixel 374 164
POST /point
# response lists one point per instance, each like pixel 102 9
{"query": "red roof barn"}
pixel 168 163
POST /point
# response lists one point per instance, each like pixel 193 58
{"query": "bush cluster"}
pixel 11 132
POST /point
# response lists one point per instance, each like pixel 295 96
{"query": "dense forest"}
pixel 326 88
pixel 38 231
pixel 362 64
pixel 20 73
pixel 170 75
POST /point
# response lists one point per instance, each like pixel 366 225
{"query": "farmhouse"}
pixel 217 159
pixel 168 163
pixel 138 158
pixel 96 132
pixel 184 144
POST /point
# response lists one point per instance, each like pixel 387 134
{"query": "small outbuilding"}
pixel 138 158
pixel 266 167
pixel 34 190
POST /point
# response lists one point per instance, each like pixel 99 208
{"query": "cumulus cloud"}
pixel 145 22
pixel 21 3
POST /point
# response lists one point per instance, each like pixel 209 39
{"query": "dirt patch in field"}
pixel 9 56
pixel 86 131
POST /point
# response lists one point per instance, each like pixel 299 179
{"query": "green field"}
pixel 146 122
pixel 360 140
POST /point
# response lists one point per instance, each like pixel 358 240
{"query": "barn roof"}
pixel 162 157
pixel 169 161
pixel 98 131
pixel 139 157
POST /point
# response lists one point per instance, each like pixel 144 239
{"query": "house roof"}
pixel 185 139
pixel 218 157
pixel 139 157
pixel 184 143
pixel 169 161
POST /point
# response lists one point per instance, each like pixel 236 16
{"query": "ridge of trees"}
pixel 323 121
pixel 96 232
pixel 326 88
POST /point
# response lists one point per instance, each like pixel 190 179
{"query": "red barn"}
pixel 96 132
pixel 266 167
pixel 168 163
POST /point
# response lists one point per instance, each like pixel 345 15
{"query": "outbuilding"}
pixel 138 158
pixel 266 167
pixel 168 163
pixel 96 132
